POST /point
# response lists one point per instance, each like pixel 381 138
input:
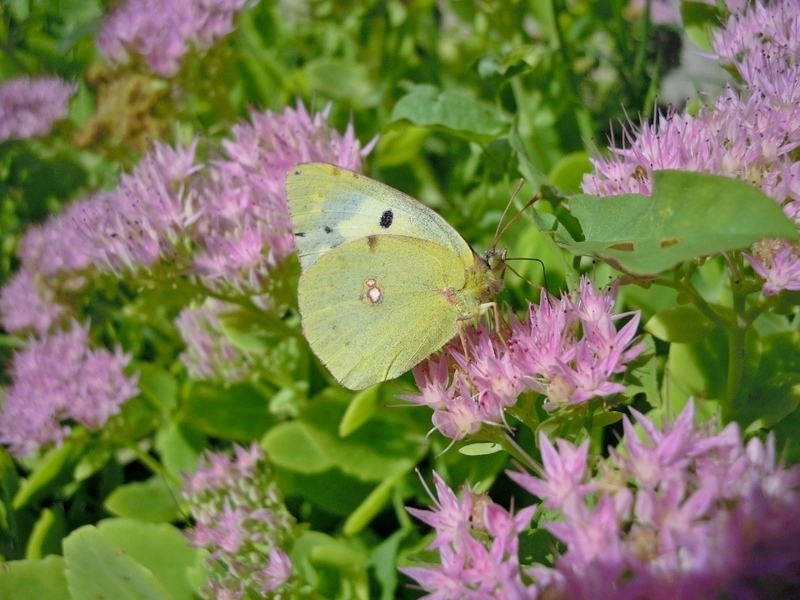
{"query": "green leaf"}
pixel 34 579
pixel 567 173
pixel 480 449
pixel 238 413
pixel 54 469
pixel 769 402
pixel 699 369
pixel 162 549
pixel 158 386
pixel 683 324
pixel 452 112
pixel 96 568
pixel 150 501
pixel 399 146
pixel 341 79
pixel 291 445
pixel 688 216
pixel 360 410
pixel 384 563
pixel 378 449
pixel 179 447
pixel 371 506
pixel 333 568
pixel 46 536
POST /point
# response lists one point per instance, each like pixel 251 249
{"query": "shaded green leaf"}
pixel 454 112
pixel 683 324
pixel 291 445
pixel 150 501
pixel 237 413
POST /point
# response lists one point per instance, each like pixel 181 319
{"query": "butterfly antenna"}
pixel 500 233
pixel 497 232
pixel 515 272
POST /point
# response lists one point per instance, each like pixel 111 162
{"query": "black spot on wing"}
pixel 328 229
pixel 386 219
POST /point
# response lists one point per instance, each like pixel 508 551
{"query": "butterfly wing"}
pixel 374 307
pixel 331 206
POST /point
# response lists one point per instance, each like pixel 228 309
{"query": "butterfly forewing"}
pixel 330 206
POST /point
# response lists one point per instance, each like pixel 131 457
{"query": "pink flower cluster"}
pixel 226 222
pixel 478 544
pixel 245 230
pixel 568 350
pixel 162 31
pixel 59 380
pixel 751 132
pixel 30 106
pixel 680 512
pixel 241 520
pixel 209 353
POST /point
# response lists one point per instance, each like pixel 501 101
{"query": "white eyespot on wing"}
pixel 372 294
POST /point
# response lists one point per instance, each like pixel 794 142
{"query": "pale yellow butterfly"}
pixel 385 281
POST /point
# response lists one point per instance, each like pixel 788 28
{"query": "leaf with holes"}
pixel 689 215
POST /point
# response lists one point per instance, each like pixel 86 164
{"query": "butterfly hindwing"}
pixel 331 206
pixel 374 307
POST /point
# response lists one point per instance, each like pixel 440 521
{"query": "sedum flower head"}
pixel 162 31
pixel 244 230
pixel 678 511
pixel 674 512
pixel 568 350
pixel 478 544
pixel 242 522
pixel 144 219
pixel 209 353
pixel 28 304
pixel 29 106
pixel 59 380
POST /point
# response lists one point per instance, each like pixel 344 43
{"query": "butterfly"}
pixel 385 282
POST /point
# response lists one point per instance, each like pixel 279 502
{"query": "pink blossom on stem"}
pixel 29 106
pixel 241 520
pixel 676 512
pixel 162 31
pixel 568 350
pixel 59 380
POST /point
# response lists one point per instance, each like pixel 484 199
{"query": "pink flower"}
pixel 209 353
pixel 241 520
pixel 162 31
pixel 27 304
pixel 30 106
pixel 478 544
pixel 58 380
pixel 568 350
